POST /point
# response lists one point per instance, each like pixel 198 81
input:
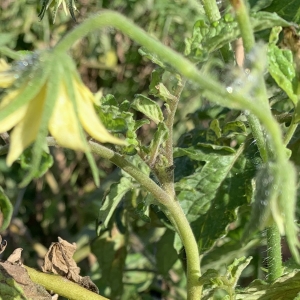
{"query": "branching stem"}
pixel 171 208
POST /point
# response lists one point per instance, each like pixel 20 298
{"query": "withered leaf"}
pixel 15 283
pixel 59 260
pixel 15 257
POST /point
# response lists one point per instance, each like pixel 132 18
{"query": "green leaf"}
pixel 207 38
pixel 288 10
pixel 214 190
pixel 45 163
pixel 118 119
pixel 214 132
pixel 234 127
pixel 145 53
pixel 110 202
pixel 286 288
pixel 142 210
pixel 214 281
pixel 166 255
pixel 160 136
pixel 110 250
pixel 111 116
pixel 148 107
pixel 281 67
pixel 6 210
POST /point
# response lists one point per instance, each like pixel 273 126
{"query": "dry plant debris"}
pixel 15 282
pixel 59 260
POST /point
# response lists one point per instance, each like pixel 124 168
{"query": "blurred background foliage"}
pixel 134 258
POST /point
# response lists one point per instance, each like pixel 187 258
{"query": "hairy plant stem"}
pixel 62 286
pixel 171 208
pixel 211 10
pixel 273 253
pixel 242 17
pixel 167 181
pixel 265 148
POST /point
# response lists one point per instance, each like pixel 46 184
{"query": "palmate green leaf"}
pixel 214 281
pixel 117 118
pixel 211 195
pixel 208 38
pixel 286 287
pixel 198 189
pixel 6 210
pixel 110 202
pixel 148 107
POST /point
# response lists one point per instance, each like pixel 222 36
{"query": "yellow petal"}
pixel 15 117
pixel 63 124
pixel 6 78
pixel 4 66
pixel 89 118
pixel 27 129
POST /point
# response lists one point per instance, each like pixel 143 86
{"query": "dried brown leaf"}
pixel 23 288
pixel 15 257
pixel 59 260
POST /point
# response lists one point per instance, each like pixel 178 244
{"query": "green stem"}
pixel 274 253
pixel 265 148
pixel 244 22
pixel 242 17
pixel 10 53
pixel 258 135
pixel 168 183
pixel 171 208
pixel 211 10
pixel 62 286
pixel 173 211
pixel 218 92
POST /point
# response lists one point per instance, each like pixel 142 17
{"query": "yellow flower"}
pixel 71 112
